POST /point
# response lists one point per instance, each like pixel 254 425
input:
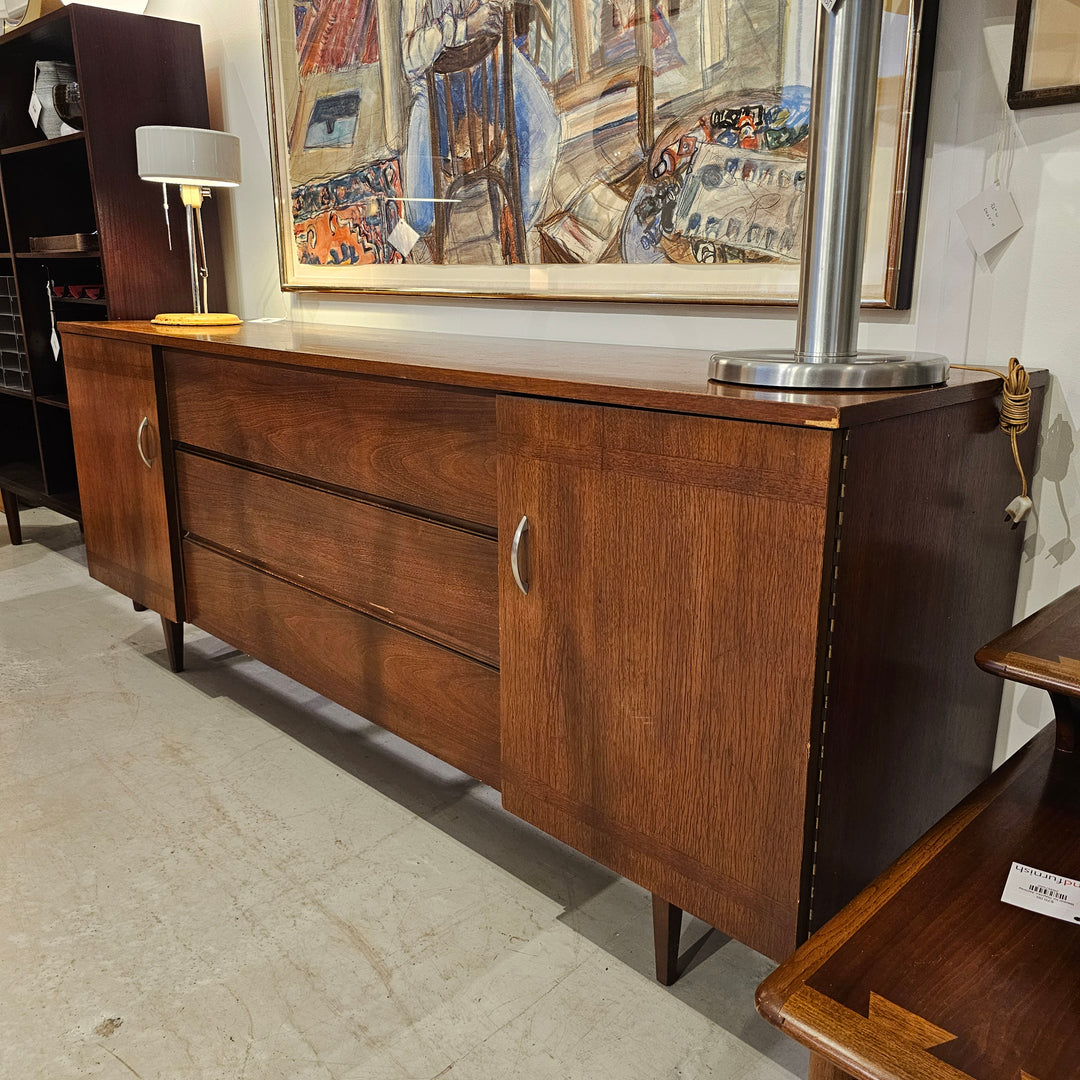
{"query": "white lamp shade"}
pixel 183 155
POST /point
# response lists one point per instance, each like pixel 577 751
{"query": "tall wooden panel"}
pixel 923 579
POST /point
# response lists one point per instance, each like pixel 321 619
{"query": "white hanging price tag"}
pixel 828 5
pixel 54 341
pixel 35 107
pixel 989 218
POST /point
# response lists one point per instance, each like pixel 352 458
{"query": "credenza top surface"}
pixel 640 377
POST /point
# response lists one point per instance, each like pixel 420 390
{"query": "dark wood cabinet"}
pixel 131 70
pixel 717 639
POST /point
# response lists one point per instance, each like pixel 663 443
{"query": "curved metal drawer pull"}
pixel 520 535
pixel 139 442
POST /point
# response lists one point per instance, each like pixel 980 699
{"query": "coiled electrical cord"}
pixel 1015 415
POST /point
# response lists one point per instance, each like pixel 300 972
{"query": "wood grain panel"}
pixel 435 580
pixel 926 574
pixel 125 519
pixel 631 375
pixel 425 446
pixel 442 702
pixel 658 679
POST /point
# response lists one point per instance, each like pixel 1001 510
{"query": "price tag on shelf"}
pixel 1042 892
pixel 35 107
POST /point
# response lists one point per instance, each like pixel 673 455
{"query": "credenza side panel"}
pixel 926 575
pixel 658 679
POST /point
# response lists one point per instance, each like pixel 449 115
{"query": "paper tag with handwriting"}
pixel 35 107
pixel 1044 893
pixel 989 218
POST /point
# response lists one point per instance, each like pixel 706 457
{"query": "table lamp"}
pixel 194 158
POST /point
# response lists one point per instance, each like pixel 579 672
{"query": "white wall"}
pixel 1020 301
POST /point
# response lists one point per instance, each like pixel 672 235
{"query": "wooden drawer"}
pixel 427 446
pixel 435 698
pixel 436 580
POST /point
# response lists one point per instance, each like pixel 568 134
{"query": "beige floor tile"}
pixel 219 874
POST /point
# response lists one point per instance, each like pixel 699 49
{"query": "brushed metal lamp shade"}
pixel 193 159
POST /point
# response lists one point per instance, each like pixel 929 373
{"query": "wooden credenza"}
pixel 717 639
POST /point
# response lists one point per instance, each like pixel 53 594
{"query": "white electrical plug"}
pixel 1018 509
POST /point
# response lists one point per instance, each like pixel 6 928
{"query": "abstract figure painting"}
pixel 587 149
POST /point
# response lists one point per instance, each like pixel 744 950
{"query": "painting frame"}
pixel 1020 95
pixel 894 208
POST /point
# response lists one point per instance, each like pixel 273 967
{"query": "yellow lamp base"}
pixel 191 319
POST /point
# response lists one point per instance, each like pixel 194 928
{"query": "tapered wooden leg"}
pixel 11 513
pixel 667 925
pixel 820 1069
pixel 174 642
pixel 137 606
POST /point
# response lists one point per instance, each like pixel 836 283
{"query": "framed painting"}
pixel 1046 54
pixel 650 150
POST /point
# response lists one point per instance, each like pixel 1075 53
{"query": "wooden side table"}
pixel 927 974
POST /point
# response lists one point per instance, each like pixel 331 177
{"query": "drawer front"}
pixel 433 579
pixel 437 699
pixel 431 447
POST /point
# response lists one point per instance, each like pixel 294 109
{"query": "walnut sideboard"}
pixel 718 639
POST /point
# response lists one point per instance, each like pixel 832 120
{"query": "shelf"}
pixel 41 144
pixel 65 502
pixel 49 191
pixel 23 477
pixel 48 256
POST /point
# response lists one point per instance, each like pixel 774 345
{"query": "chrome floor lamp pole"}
pixel 842 106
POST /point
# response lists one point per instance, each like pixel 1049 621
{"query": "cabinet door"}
pixel 658 678
pixel 118 454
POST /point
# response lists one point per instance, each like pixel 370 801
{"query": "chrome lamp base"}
pixel 779 368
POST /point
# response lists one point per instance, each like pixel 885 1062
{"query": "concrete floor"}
pixel 223 875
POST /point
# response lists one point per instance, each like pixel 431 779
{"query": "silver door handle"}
pixel 139 442
pixel 520 535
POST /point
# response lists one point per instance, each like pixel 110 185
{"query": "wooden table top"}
pixel 1043 650
pixel 927 973
pixel 635 376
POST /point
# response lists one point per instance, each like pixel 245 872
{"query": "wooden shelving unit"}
pixel 84 183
